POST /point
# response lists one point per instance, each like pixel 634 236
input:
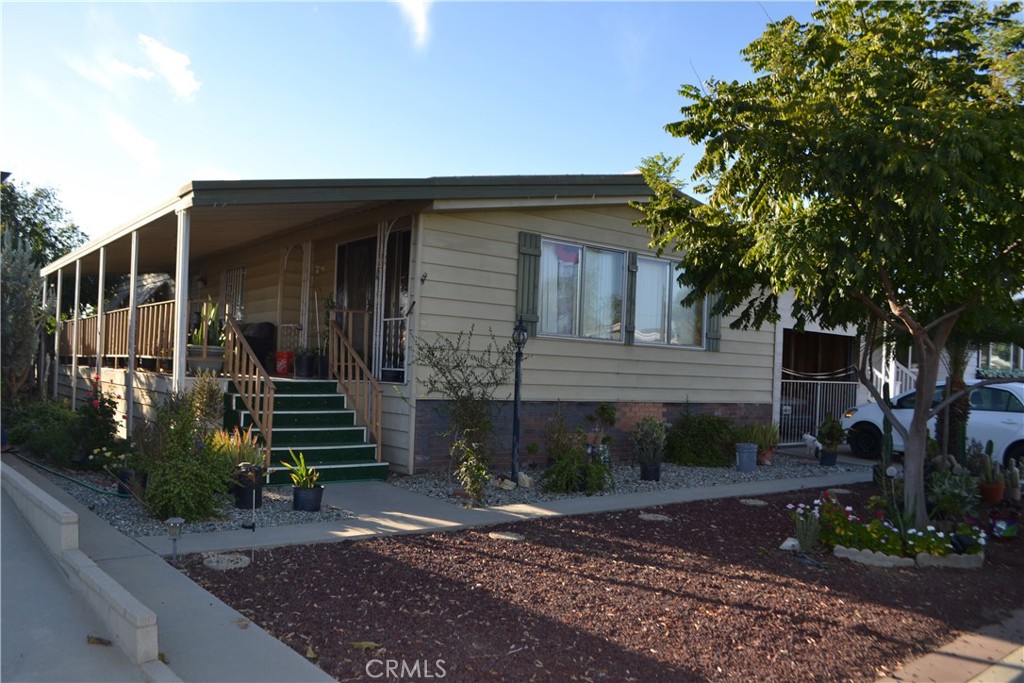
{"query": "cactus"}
pixel 1012 477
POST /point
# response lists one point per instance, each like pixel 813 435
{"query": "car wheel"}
pixel 865 441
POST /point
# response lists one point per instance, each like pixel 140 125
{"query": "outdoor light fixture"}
pixel 519 337
pixel 174 525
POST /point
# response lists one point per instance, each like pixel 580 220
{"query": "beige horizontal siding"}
pixel 471 260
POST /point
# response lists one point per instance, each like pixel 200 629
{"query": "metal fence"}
pixel 805 404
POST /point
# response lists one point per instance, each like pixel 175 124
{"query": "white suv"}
pixel 997 415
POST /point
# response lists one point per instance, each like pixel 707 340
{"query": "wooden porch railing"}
pixel 154 334
pixel 251 381
pixel 357 381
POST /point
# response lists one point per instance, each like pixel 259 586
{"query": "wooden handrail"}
pixel 251 381
pixel 358 382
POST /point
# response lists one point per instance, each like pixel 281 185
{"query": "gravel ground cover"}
pixel 694 592
pixel 130 518
pixel 627 480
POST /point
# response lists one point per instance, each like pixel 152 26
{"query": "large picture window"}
pixel 581 291
pixel 660 317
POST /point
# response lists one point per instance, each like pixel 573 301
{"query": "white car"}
pixel 997 415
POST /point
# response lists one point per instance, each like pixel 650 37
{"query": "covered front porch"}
pixel 249 279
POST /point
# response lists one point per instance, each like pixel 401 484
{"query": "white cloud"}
pixel 415 13
pixel 173 66
pixel 141 148
pixel 118 67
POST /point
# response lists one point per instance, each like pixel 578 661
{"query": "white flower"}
pixel 930 528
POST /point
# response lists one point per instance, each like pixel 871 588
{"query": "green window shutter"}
pixel 528 282
pixel 629 308
pixel 713 336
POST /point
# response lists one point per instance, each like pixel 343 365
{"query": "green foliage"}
pixel 952 495
pixel 210 329
pixel 187 472
pixel 46 428
pixel 208 400
pixel 600 421
pixel 187 482
pixel 96 426
pixel 21 314
pixel 238 447
pixel 35 220
pixel 831 434
pixel 572 470
pixel 467 378
pixel 808 526
pixel 649 439
pixel 471 468
pixel 303 476
pixel 698 440
pixel 873 167
pixel 765 436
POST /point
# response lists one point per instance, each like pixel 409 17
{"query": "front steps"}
pixel 311 417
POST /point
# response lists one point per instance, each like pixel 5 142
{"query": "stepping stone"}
pixel 840 492
pixel 753 502
pixel 506 536
pixel 654 517
pixel 790 544
pixel 223 562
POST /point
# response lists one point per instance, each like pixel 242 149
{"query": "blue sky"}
pixel 117 105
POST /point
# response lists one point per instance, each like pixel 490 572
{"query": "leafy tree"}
pixel 22 316
pixel 874 166
pixel 36 218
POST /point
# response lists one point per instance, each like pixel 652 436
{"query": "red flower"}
pixel 95 404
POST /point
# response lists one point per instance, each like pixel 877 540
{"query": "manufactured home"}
pixel 258 276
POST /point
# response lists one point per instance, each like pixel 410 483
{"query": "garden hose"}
pixel 33 463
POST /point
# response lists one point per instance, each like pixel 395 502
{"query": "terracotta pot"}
pixel 992 493
pixel 765 457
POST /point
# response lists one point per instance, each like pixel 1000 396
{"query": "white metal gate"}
pixel 805 403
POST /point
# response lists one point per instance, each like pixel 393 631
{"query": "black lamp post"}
pixel 519 340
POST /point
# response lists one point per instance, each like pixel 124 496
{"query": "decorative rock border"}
pixel 876 559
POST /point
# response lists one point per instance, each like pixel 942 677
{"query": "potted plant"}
pixel 601 420
pixel 243 451
pixel 649 443
pixel 830 435
pixel 307 495
pixel 766 436
pixel 206 341
pixel 991 483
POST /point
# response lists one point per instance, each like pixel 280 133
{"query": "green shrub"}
pixel 470 468
pixel 46 428
pixel 952 495
pixel 96 424
pixel 572 470
pixel 187 471
pixel 700 441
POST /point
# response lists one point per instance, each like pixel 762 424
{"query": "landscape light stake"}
pixel 519 337
pixel 174 525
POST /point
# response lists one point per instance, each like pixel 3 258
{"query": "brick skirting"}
pixel 431 423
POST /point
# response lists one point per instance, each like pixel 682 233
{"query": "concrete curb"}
pixel 131 624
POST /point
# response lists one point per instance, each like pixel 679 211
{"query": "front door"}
pixel 372 294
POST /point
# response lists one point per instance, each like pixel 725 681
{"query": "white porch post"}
pixel 75 348
pixel 42 349
pixel 307 271
pixel 133 316
pixel 181 300
pixel 57 329
pixel 100 309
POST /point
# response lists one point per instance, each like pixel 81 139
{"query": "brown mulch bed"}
pixel 612 597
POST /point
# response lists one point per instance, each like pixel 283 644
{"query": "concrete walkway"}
pixel 205 640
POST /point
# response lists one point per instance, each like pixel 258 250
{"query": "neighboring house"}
pixel 417 258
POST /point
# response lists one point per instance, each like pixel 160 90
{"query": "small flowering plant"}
pixel 96 426
pixel 839 525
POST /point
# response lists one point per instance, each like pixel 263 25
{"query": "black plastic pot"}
pixel 307 500
pixel 247 485
pixel 827 458
pixel 304 365
pixel 650 471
